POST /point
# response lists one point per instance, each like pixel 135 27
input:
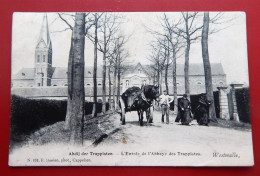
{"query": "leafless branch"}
pixel 61 30
pixel 65 21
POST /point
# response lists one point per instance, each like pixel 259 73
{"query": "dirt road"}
pixel 158 144
pixel 194 139
pixel 162 133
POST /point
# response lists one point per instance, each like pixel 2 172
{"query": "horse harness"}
pixel 142 96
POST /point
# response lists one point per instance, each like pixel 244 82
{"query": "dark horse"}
pixel 202 111
pixel 140 100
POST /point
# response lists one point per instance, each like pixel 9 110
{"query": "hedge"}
pixel 28 115
pixel 243 104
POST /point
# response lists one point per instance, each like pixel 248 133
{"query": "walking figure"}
pixel 184 113
pixel 202 110
pixel 165 101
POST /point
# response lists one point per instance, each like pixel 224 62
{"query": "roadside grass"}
pixel 56 133
pixel 231 124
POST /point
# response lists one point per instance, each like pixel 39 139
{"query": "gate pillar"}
pixel 234 102
pixel 223 103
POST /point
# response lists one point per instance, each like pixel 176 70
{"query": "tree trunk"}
pixel 186 69
pixel 187 57
pixel 166 69
pixel 104 73
pixel 160 84
pixel 166 79
pixel 158 78
pixel 118 80
pixel 76 94
pixel 109 86
pixel 158 75
pixel 114 85
pixel 94 112
pixel 207 68
pixel 166 75
pixel 174 77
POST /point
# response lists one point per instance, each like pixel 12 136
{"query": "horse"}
pixel 140 100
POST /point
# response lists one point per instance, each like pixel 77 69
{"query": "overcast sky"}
pixel 228 46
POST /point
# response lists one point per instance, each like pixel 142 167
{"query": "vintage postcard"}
pixel 130 89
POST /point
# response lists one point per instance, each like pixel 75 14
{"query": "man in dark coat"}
pixel 202 111
pixel 184 110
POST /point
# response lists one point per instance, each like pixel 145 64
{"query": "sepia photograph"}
pixel 130 89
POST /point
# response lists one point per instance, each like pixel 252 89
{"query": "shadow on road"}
pixel 187 125
pixel 136 123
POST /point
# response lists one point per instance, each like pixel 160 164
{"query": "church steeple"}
pixel 43 56
pixel 45 35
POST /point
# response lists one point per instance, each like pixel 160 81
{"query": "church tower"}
pixel 43 57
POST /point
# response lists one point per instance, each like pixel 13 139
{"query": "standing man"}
pixel 184 111
pixel 165 101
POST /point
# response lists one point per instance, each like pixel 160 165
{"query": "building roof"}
pixel 61 72
pixel 24 73
pixel 57 73
pixel 132 69
pixel 195 69
pixel 198 69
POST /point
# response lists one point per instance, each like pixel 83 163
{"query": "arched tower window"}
pixel 43 59
pixel 38 58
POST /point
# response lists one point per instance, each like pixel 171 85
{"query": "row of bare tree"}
pixel 174 39
pixel 107 39
pixel 103 30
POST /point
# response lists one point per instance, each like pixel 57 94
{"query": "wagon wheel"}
pixel 151 114
pixel 122 113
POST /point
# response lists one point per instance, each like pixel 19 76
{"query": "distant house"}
pixel 143 74
pixel 45 75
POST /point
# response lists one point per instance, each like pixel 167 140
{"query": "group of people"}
pixel 184 109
